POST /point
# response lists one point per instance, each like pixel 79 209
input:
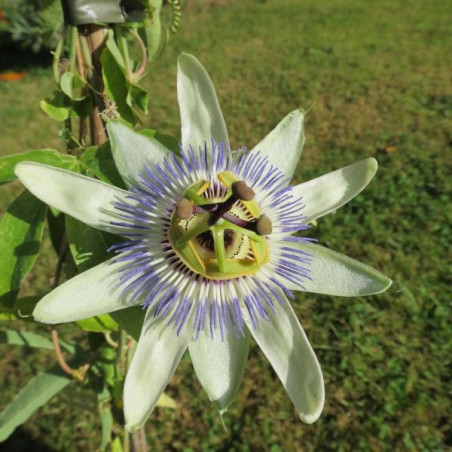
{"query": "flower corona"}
pixel 208 231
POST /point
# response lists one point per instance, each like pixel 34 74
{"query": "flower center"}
pixel 217 229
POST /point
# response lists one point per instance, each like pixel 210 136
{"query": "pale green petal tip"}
pixel 187 58
pixel 386 284
pixel 373 163
pixel 134 424
pixel 310 418
pixel 43 315
pixel 188 63
pixel 223 403
pixel 372 167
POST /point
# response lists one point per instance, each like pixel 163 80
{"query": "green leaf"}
pixel 46 156
pixel 167 140
pixel 72 85
pixel 38 391
pixel 88 248
pixel 21 309
pixel 82 108
pixel 114 49
pixel 127 96
pixel 137 97
pixel 131 320
pixel 99 161
pixel 98 324
pixel 87 245
pixel 56 223
pixel 107 426
pixel 154 31
pixel 14 337
pixel 166 401
pixel 21 231
pixel 56 107
pixel 117 86
pixel 50 20
pixel 60 107
pixel 116 445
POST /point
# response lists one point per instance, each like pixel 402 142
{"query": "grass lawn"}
pixel 376 78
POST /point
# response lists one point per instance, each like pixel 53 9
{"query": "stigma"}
pixel 217 229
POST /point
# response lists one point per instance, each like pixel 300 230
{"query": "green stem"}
pixel 56 57
pixel 73 48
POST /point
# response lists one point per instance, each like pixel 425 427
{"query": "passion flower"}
pixel 213 250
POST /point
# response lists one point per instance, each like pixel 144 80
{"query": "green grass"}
pixel 377 78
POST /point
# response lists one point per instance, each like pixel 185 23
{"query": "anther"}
pixel 264 225
pixel 241 191
pixel 184 209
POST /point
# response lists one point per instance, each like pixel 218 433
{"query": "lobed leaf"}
pixel 46 156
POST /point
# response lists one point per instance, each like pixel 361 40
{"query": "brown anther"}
pixel 184 209
pixel 241 191
pixel 264 225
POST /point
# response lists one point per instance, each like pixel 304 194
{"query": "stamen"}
pixel 184 209
pixel 241 191
pixel 264 225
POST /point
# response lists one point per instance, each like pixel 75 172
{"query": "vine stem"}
pixel 54 333
pixel 59 356
pixel 96 36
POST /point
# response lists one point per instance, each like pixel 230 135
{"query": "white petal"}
pixel 336 274
pixel 84 198
pixel 286 346
pixel 284 144
pixel 90 293
pixel 331 191
pixel 201 116
pixel 219 365
pixel 158 353
pixel 132 152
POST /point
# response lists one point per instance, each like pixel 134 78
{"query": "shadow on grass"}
pixel 13 57
pixel 21 440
